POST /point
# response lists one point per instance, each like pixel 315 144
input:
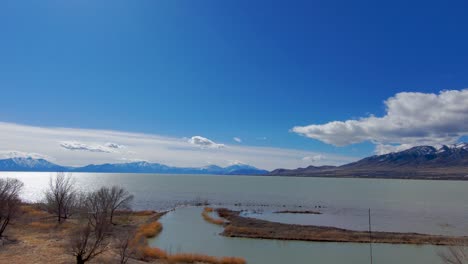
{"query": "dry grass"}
pixel 195 258
pixel 157 253
pixel 149 230
pixel 34 212
pixel 144 213
pixel 152 229
pixel 154 253
pixel 35 237
pixel 42 225
pixel 206 215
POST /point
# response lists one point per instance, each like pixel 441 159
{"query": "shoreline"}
pixel 460 178
pixel 246 227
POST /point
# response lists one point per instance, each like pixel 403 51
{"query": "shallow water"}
pixel 437 207
pixel 184 230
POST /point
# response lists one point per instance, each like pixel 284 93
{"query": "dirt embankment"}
pixel 239 226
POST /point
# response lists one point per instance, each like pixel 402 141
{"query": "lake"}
pixel 184 230
pixel 435 207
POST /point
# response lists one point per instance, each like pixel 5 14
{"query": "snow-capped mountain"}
pixel 422 162
pixel 426 156
pixel 31 164
pixel 28 164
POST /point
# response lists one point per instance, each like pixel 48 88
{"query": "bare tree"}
pixel 457 254
pixel 108 200
pixel 61 197
pixel 96 207
pixel 89 241
pixel 91 238
pixel 116 198
pixel 9 201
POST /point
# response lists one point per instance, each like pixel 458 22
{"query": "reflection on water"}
pixel 184 230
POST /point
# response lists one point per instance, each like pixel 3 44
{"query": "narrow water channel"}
pixel 184 230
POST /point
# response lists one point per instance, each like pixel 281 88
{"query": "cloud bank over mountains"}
pixel 77 147
pixel 411 119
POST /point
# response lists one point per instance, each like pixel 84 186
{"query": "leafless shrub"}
pixel 61 199
pixel 91 238
pixel 457 254
pixel 89 241
pixel 95 208
pixel 107 200
pixel 118 198
pixel 9 201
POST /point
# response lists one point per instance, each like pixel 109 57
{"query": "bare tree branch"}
pixel 9 201
pixel 61 199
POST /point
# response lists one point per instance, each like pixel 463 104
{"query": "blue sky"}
pixel 224 69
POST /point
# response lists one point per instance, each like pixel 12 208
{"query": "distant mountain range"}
pixel 31 164
pixel 422 162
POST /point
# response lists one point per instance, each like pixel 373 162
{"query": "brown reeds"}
pixel 206 215
pixel 149 230
pixel 152 229
pixel 195 258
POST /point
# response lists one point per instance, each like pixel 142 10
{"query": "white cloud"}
pixel 152 148
pixel 204 142
pixel 114 145
pixel 381 149
pixel 314 158
pixel 75 145
pixel 238 140
pixel 126 160
pixel 411 119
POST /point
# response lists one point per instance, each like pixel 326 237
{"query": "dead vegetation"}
pixel 144 252
pixel 206 215
pixel 36 237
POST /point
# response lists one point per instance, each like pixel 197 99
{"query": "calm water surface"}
pixel 184 230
